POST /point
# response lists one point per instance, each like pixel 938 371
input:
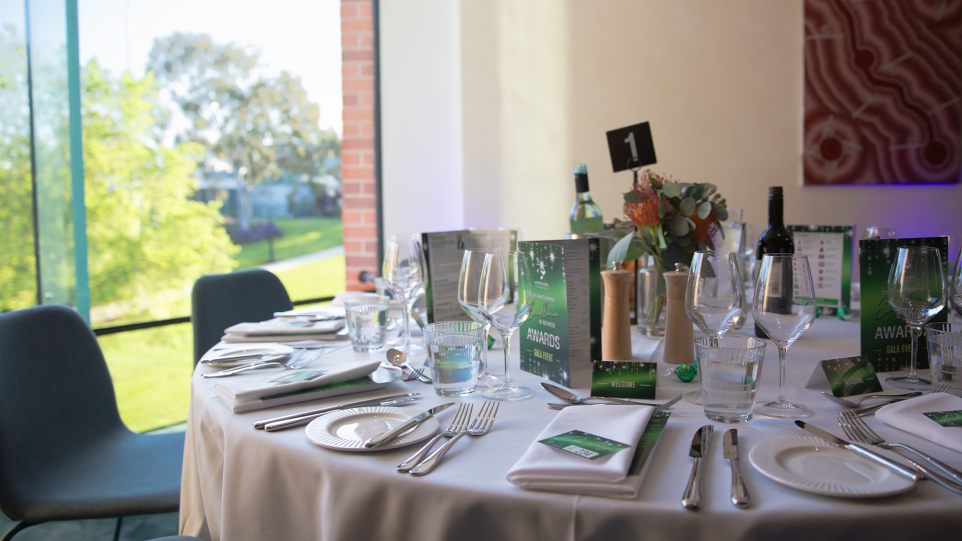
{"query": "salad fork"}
pixel 855 428
pixel 480 426
pixel 458 425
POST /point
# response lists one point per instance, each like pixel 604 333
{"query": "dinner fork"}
pixel 415 374
pixel 458 424
pixel 293 363
pixel 855 428
pixel 940 388
pixel 480 426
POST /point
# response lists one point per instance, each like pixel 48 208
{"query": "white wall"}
pixel 421 132
pixel 543 80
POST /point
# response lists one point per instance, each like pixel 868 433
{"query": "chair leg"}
pixel 16 528
pixel 120 521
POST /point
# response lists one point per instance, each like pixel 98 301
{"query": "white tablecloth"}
pixel 241 484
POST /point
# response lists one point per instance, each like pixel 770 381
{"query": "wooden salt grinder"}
pixel 616 327
pixel 679 335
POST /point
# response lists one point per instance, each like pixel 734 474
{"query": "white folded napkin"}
pixel 247 387
pixel 285 327
pixel 314 312
pixel 908 415
pixel 545 468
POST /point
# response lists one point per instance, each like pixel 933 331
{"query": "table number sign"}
pixel 562 337
pixel 443 253
pixel 848 376
pixel 624 379
pixel 886 341
pixel 631 147
pixel 829 251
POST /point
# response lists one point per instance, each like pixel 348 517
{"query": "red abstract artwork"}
pixel 882 85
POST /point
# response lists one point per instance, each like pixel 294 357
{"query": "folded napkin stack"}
pixel 549 469
pixel 283 330
pixel 255 392
pixel 909 415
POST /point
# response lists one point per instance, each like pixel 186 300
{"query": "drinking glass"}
pixel 453 348
pixel 504 297
pixel 714 297
pixel 730 367
pixel 367 321
pixel 955 296
pixel 468 285
pixel 784 308
pixel 403 273
pixel 916 291
pixel 945 354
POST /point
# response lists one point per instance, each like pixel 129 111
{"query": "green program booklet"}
pixel 886 340
pixel 562 337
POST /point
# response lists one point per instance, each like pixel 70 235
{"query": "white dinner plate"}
pixel 811 464
pixel 347 430
pixel 211 357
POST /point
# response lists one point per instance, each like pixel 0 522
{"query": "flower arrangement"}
pixel 668 220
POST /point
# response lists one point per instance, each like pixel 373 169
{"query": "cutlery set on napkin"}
pixel 285 330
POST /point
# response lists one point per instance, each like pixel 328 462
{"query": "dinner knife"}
pixel 658 407
pixel 568 396
pixel 862 452
pixel 739 490
pixel 378 441
pixel 699 451
pixel 307 419
pixel 264 422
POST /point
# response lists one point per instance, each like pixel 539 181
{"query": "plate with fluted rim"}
pixel 347 430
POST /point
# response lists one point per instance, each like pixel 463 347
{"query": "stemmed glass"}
pixel 916 291
pixel 955 296
pixel 784 308
pixel 469 283
pixel 403 273
pixel 504 297
pixel 714 299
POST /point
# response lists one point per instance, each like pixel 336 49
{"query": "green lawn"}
pixel 301 236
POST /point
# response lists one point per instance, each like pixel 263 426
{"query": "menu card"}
pixel 886 340
pixel 443 253
pixel 829 251
pixel 848 376
pixel 562 337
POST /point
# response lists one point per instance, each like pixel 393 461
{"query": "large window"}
pixel 211 142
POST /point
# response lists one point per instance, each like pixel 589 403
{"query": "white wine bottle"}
pixel 585 214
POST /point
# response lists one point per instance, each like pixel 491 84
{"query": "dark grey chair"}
pixel 64 452
pixel 219 301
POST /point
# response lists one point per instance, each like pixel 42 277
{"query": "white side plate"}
pixel 811 464
pixel 347 430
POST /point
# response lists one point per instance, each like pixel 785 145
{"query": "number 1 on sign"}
pixel 634 149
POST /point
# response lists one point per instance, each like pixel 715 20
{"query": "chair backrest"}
pixel 221 300
pixel 56 395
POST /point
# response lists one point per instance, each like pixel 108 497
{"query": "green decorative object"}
pixel 490 341
pixel 687 372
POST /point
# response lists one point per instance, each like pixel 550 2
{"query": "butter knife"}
pixel 739 490
pixel 378 441
pixel 699 451
pixel 862 452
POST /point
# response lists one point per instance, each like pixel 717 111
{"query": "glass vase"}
pixel 650 298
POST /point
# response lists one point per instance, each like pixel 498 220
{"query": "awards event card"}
pixel 624 379
pixel 848 376
pixel 584 445
pixel 829 251
pixel 886 341
pixel 946 418
pixel 443 253
pixel 562 337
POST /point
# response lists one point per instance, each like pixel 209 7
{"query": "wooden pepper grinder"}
pixel 679 335
pixel 616 327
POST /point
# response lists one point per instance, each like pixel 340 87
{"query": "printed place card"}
pixel 584 445
pixel 848 376
pixel 624 379
pixel 946 418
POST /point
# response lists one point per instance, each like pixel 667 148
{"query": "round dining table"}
pixel 245 484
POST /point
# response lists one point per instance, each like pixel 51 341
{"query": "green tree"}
pixel 250 123
pixel 18 286
pixel 145 235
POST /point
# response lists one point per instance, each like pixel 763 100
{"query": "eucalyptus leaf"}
pixel 661 208
pixel 691 223
pixel 677 226
pixel 648 236
pixel 704 210
pixel 620 250
pixel 631 198
pixel 687 207
pixel 684 241
pixel 722 213
pixel 710 186
pixel 672 190
pixel 697 191
pixel 655 183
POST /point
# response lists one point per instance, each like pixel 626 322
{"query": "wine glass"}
pixel 784 308
pixel 714 299
pixel 472 265
pixel 955 296
pixel 403 273
pixel 916 291
pixel 504 297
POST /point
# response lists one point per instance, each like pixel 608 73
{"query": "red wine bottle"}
pixel 776 239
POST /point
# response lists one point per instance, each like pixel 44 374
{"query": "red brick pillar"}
pixel 357 147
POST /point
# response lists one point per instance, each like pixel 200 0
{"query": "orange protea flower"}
pixel 644 211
